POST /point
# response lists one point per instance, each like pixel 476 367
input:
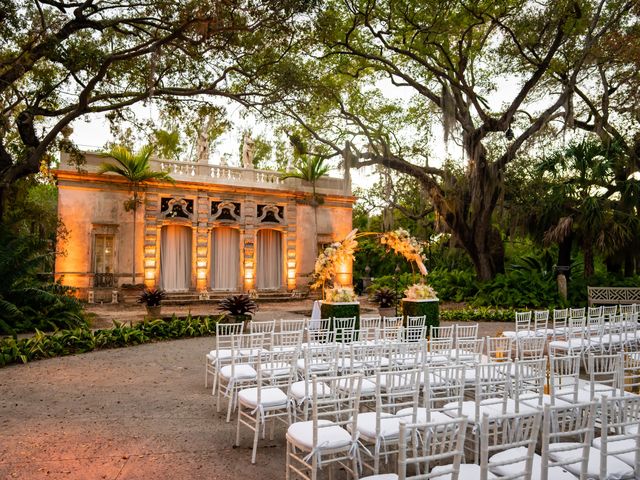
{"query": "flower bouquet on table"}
pixel 340 294
pixel 420 291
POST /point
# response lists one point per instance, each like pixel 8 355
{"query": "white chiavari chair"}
pixel 619 437
pixel 575 342
pixel 629 379
pixel 268 400
pixel 432 444
pixel 541 323
pixel 507 445
pixel 564 380
pixel 529 348
pixel 529 378
pixel 286 340
pixel 577 312
pixel 560 318
pixel 439 351
pixel 344 329
pixel 523 325
pixel 490 393
pixel 395 390
pixel 499 349
pixel 222 352
pixel 240 372
pixel 330 438
pixel 609 311
pixel 320 360
pixel 262 326
pixel 319 331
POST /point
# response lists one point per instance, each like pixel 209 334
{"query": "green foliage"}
pixel 28 302
pixel 151 297
pixel 478 314
pixel 385 297
pixel 238 305
pixel 453 285
pixel 518 288
pixel 397 283
pixel 82 339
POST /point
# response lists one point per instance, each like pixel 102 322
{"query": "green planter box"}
pixel 430 308
pixel 341 310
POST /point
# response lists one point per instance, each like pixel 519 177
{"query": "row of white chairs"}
pixel 339 433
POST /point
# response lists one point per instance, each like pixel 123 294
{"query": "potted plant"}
pixel 421 299
pixel 386 299
pixel 152 299
pixel 238 308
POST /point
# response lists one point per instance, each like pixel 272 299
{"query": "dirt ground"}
pixel 132 413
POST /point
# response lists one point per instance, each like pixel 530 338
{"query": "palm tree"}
pixel 135 168
pixel 310 169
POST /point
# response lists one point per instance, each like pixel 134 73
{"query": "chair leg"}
pixel 255 436
pixel 230 405
pixel 237 443
pixel 287 462
pixel 217 397
pixel 206 372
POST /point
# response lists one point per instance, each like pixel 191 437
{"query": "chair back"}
pixel 577 312
pixel 604 373
pixel 492 386
pixel 266 326
pixel 498 349
pixel 523 321
pixel 529 379
pixel 627 309
pixel 530 347
pixel 286 340
pixel 468 350
pixel 620 433
pixel 319 331
pixel 432 444
pixel 541 321
pixel 516 432
pixel 416 321
pixel 609 311
pixel 441 332
pixel 466 331
pixel 293 324
pixel 444 390
pixel 564 378
pixel 397 390
pixel 562 427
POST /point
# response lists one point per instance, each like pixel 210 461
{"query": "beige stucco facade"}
pixel 98 248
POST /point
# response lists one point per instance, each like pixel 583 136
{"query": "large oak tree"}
pixel 454 57
pixel 61 60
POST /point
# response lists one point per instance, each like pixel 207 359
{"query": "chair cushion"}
pixel 367 387
pixel 241 371
pixel 389 425
pixel 617 444
pixel 330 436
pixel 468 471
pixel 214 355
pixel 469 409
pixel 571 344
pixel 314 367
pixel 275 369
pixel 616 469
pixel 421 415
pixel 512 469
pixel 269 397
pixel 297 389
pixel 384 476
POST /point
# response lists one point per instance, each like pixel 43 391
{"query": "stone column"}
pixel 151 240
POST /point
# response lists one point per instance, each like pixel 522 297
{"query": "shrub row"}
pixel 478 314
pixel 82 339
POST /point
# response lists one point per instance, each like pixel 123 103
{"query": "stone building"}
pixel 217 229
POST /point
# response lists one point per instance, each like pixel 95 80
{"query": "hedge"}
pixel 82 339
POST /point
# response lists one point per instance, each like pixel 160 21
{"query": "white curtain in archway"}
pixel 175 258
pixel 269 258
pixel 225 258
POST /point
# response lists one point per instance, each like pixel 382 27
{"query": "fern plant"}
pixel 238 305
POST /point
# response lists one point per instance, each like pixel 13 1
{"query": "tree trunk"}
pixel 587 250
pixel 133 258
pixel 629 265
pixel 564 256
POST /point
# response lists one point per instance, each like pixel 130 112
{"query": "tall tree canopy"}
pixel 494 73
pixel 61 60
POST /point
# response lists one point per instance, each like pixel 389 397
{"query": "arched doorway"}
pixel 269 257
pixel 225 259
pixel 175 258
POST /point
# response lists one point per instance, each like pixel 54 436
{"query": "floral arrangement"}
pixel 420 291
pixel 340 294
pixel 335 254
pixel 402 243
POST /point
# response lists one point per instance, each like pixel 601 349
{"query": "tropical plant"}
pixel 135 168
pixel 238 305
pixel 82 339
pixel 152 297
pixel 385 297
pixel 26 301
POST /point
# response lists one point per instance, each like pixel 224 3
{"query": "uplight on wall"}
pixel 150 251
pixel 343 273
pixel 202 264
pixel 202 273
pixel 150 263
